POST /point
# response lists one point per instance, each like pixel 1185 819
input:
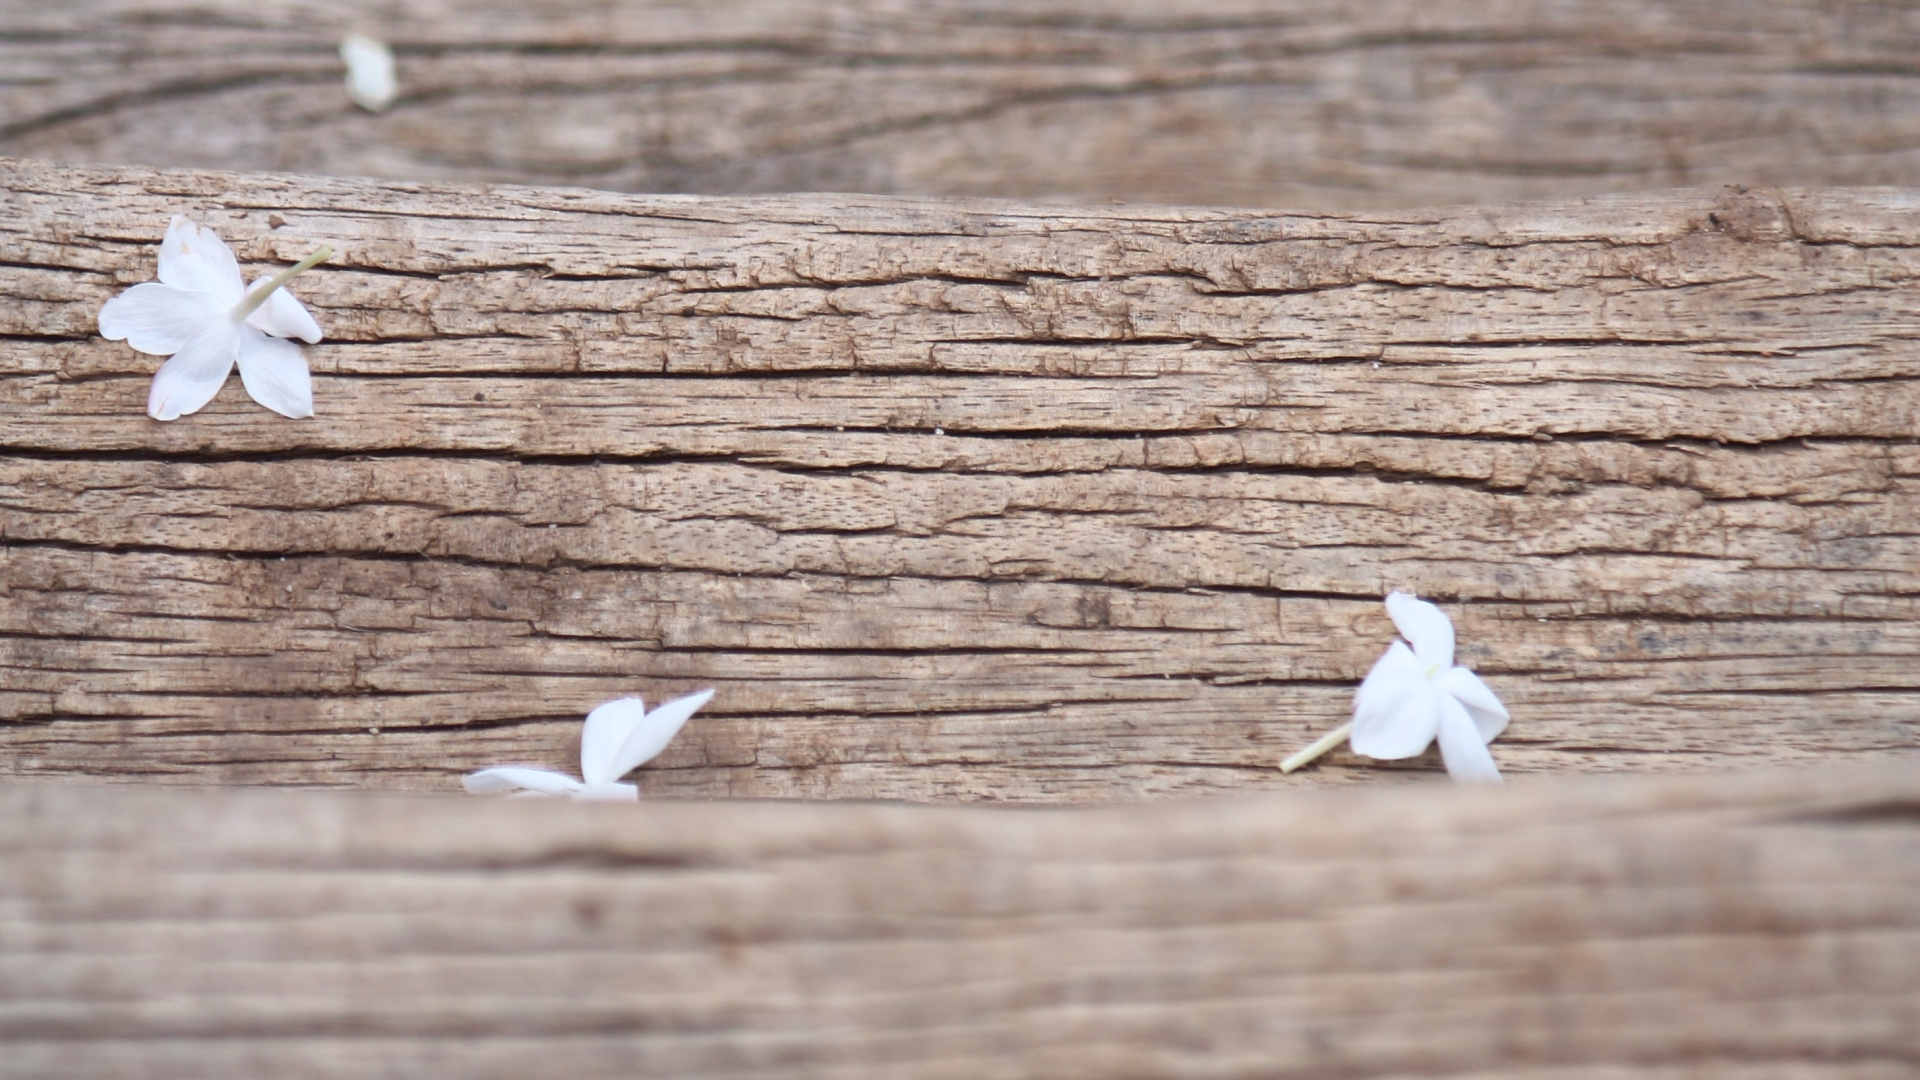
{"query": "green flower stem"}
pixel 259 296
pixel 1325 743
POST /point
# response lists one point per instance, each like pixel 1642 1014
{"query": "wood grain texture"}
pixel 1760 925
pixel 960 500
pixel 1295 103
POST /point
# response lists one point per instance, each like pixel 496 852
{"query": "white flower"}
pixel 200 316
pixel 618 738
pixel 1413 695
pixel 370 79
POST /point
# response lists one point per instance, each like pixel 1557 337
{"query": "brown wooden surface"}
pixel 1601 927
pixel 1308 103
pixel 960 500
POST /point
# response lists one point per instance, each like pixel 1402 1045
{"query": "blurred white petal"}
pixel 512 777
pixel 1395 714
pixel 607 727
pixel 1461 746
pixel 1426 627
pixel 371 82
pixel 656 731
pixel 1489 716
pixel 1396 666
pixel 191 378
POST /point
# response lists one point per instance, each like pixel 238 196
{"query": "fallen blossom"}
pixel 619 737
pixel 1412 696
pixel 370 78
pixel 204 320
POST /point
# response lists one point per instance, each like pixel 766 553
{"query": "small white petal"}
pixel 511 777
pixel 1424 626
pixel 158 319
pixel 282 315
pixel 1395 711
pixel 654 733
pixel 275 373
pixel 607 727
pixel 194 258
pixel 193 375
pixel 1461 746
pixel 1488 714
pixel 607 793
pixel 370 78
pixel 1395 667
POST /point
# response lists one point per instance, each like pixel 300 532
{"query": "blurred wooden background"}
pixel 971 487
pixel 1301 104
pixel 1718 927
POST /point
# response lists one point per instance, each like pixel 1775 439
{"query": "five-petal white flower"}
pixel 618 738
pixel 1413 695
pixel 200 316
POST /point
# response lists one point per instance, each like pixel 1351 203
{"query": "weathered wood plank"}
pixel 1717 926
pixel 960 500
pixel 1299 103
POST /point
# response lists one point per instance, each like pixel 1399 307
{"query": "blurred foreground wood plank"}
pixel 1702 926
pixel 959 500
pixel 1294 103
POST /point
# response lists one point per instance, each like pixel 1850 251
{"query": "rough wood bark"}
pixel 1302 103
pixel 960 500
pixel 1758 925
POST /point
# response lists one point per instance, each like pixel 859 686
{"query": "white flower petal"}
pixel 513 777
pixel 607 727
pixel 607 793
pixel 1426 627
pixel 194 258
pixel 156 318
pixel 275 373
pixel 1395 667
pixel 283 315
pixel 1461 746
pixel 193 375
pixel 1395 711
pixel 370 78
pixel 656 731
pixel 1488 714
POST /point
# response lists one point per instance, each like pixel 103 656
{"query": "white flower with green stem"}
pixel 1413 696
pixel 205 321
